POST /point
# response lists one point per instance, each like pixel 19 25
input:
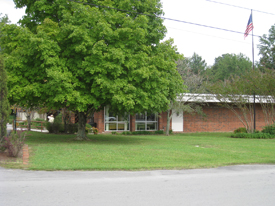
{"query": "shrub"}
pixel 55 127
pixel 95 130
pixel 126 133
pixel 114 133
pixel 38 124
pixel 88 128
pixel 14 143
pixel 49 127
pixel 159 132
pixel 40 120
pixel 61 128
pixel 141 132
pixel 170 131
pixel 72 128
pixel 58 118
pixel 258 135
pixel 240 130
pixel 270 129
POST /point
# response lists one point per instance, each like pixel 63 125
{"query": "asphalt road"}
pixel 233 185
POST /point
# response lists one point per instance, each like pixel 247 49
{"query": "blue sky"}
pixel 208 43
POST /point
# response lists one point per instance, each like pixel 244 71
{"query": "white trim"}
pixel 126 123
pixel 177 121
pixel 212 98
pixel 146 121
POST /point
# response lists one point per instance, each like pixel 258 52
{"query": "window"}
pixel 146 121
pixel 115 122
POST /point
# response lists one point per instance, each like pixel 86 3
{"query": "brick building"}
pixel 218 119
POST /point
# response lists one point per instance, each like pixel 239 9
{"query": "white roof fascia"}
pixel 212 98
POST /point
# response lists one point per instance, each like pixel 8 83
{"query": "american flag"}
pixel 249 26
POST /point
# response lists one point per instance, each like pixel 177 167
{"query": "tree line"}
pixel 233 81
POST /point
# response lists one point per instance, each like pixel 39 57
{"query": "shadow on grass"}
pixel 42 138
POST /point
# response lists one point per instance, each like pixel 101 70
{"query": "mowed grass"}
pixel 119 152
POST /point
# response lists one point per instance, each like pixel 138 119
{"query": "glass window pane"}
pixel 151 117
pixel 120 117
pixel 151 126
pixel 110 126
pixel 115 122
pixel 140 126
pixel 109 115
pixel 121 126
pixel 140 117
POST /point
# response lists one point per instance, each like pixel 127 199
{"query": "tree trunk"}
pixel 168 122
pixel 82 119
pixel 29 121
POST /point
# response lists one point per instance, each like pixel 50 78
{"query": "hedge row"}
pixel 259 135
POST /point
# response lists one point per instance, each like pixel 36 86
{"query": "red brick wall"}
pixel 99 120
pixel 132 123
pixel 219 119
pixel 162 121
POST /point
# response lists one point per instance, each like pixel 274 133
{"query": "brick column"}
pixel 132 123
pixel 25 154
pixel 99 120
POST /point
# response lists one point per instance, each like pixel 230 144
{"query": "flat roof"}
pixel 215 98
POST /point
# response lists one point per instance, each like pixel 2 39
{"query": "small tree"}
pixel 192 83
pixel 4 103
pixel 267 49
pixel 236 94
pixel 263 84
pixel 29 113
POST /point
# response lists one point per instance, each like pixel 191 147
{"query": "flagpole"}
pixel 253 70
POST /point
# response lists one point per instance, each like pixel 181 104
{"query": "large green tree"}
pixel 229 64
pixel 267 49
pixel 86 56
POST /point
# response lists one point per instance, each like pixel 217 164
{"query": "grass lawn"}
pixel 119 152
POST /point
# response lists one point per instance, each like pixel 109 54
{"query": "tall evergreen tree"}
pixel 197 64
pixel 4 103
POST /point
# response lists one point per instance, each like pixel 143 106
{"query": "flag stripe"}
pixel 249 26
